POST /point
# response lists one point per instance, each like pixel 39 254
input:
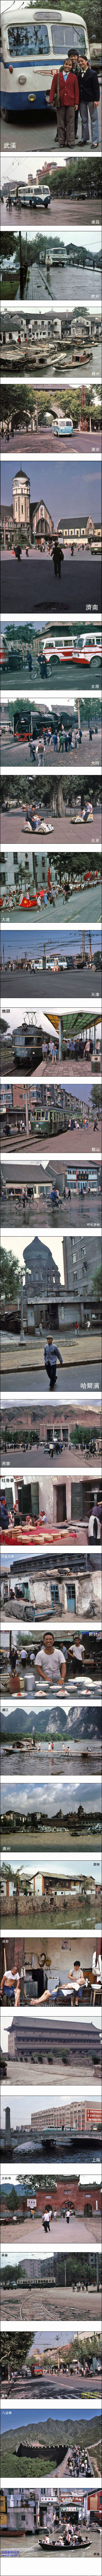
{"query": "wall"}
pixel 46 1496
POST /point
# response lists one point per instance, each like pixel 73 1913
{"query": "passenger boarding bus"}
pixel 30 50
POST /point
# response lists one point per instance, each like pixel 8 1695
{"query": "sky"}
pixel 64 485
pixel 53 1244
pixel 49 2336
pixel 73 234
pixel 51 1796
pixel 31 942
pixel 79 1088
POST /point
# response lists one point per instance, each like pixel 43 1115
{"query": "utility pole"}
pixel 27 1119
pixel 36 412
pixel 22 1324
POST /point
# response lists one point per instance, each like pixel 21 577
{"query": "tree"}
pixel 96 1097
pixel 10 1275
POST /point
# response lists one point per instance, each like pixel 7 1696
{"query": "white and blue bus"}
pixel 30 50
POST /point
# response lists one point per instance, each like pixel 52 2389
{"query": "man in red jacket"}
pixel 65 91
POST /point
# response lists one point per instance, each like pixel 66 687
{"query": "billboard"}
pixel 93 2115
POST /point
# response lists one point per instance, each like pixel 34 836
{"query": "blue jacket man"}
pixel 89 93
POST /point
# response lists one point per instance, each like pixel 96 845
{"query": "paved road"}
pixel 88 1377
pixel 42 442
pixel 60 832
pixel 82 2232
pixel 26 983
pixel 60 680
pixel 59 2385
pixel 88 1139
pixel 31 583
pixel 58 212
pixel 23 2072
pixel 70 911
pixel 41 131
pixel 73 1377
pixel 61 285
pixel 86 754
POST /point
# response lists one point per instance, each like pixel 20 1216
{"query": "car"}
pixel 29 47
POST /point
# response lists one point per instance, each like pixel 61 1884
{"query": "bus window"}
pixel 70 38
pixel 29 41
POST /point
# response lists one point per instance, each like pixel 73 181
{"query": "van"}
pixel 31 48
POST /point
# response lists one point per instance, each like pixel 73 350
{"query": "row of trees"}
pixel 18 2349
pixel 19 411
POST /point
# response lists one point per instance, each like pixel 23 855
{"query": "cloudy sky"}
pixel 52 1795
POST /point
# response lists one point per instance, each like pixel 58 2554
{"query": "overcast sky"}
pixel 64 484
pixel 53 1244
pixel 67 233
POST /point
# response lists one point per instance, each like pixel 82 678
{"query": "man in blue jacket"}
pixel 89 93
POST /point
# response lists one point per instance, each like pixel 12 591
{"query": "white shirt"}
pixel 50 1664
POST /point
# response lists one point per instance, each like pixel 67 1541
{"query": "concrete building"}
pixel 21 497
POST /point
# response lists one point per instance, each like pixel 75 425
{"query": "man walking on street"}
pixel 51 1355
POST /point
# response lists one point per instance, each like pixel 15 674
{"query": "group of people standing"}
pixel 75 90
